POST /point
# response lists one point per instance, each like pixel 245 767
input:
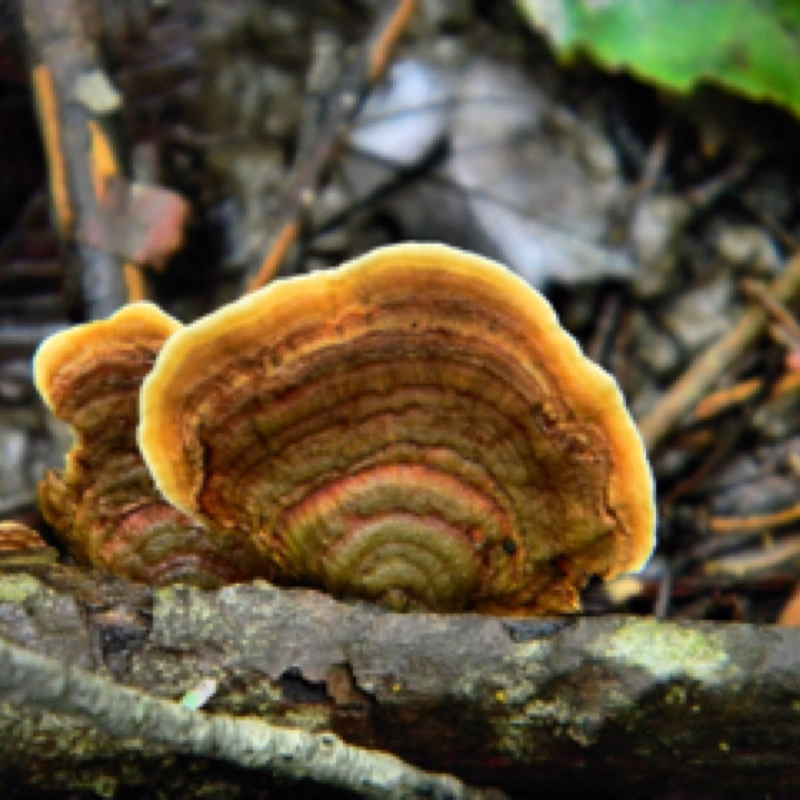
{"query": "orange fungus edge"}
pixel 133 320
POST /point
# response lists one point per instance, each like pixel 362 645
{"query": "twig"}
pixel 726 399
pixel 664 594
pixel 318 153
pixel 790 614
pixel 111 225
pixel 380 53
pixel 784 555
pixel 756 523
pixel 42 80
pixel 755 290
pixel 606 327
pixel 734 397
pixel 403 175
pixel 698 379
pixel 654 163
pixel 727 435
pixel 29 678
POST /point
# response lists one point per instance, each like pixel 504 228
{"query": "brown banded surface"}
pixel 21 545
pixel 105 505
pixel 414 428
pixel 16 537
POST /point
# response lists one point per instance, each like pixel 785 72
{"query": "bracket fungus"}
pixel 105 505
pixel 413 428
pixel 22 545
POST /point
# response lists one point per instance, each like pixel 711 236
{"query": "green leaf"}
pixel 749 46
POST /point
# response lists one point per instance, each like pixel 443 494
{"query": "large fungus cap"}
pixel 413 428
pixel 105 505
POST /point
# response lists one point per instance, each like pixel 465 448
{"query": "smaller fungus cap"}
pixel 138 325
pixel 23 546
pixel 105 505
pixel 413 428
pixel 16 537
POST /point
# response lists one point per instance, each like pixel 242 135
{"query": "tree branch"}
pixel 32 679
pixel 612 706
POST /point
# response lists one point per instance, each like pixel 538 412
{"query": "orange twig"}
pixel 755 523
pixel 774 307
pixel 51 132
pixel 725 399
pixel 105 220
pixel 103 161
pixel 134 282
pixel 341 108
pixel 381 52
pixel 790 615
pixel 274 258
pixel 784 555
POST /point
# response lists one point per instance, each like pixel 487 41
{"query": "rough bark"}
pixel 546 708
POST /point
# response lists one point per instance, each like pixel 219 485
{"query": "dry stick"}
pixel 110 224
pixel 42 80
pixel 757 523
pixel 342 108
pixel 784 331
pixel 785 319
pixel 33 679
pixel 60 53
pixel 735 396
pixel 381 51
pixel 782 555
pixel 790 615
pixel 726 399
pixel 700 377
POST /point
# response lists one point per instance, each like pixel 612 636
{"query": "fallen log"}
pixel 607 705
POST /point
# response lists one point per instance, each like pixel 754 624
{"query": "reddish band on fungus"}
pixel 105 505
pixel 414 428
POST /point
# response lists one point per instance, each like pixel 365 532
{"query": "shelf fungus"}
pixel 104 505
pixel 22 545
pixel 414 429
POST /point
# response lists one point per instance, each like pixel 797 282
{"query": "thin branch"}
pixel 380 53
pixel 109 224
pixel 775 308
pixel 29 678
pixel 756 523
pixel 685 394
pixel 321 148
